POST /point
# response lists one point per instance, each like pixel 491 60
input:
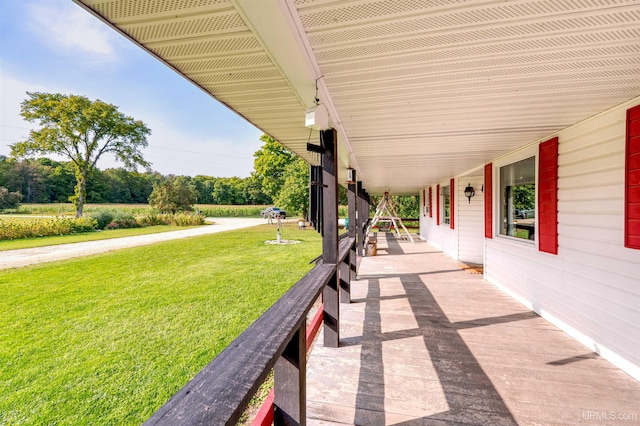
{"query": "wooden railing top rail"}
pixel 221 391
pixel 344 245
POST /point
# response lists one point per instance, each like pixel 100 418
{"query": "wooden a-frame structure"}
pixel 385 211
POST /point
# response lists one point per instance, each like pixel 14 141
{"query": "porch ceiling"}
pixel 419 90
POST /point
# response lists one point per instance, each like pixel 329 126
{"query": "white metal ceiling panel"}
pixel 419 91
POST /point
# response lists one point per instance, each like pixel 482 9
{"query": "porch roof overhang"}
pixel 419 91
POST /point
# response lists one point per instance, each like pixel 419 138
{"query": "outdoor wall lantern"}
pixel 469 192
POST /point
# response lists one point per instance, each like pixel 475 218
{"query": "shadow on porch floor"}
pixel 426 343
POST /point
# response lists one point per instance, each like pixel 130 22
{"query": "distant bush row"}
pixel 206 210
pixel 12 229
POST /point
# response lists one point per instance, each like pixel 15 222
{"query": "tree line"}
pixel 279 177
pixel 44 180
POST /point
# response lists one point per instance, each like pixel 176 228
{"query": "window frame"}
pixel 523 154
pixel 446 220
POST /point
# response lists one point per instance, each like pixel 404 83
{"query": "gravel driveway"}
pixel 31 256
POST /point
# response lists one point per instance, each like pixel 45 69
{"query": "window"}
pixel 518 199
pixel 446 205
pixel 425 205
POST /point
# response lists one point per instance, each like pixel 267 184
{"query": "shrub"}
pixel 14 229
pixel 103 217
pixel 112 219
pixel 186 219
pixel 179 219
pixel 126 219
pixel 9 200
pixel 82 224
pixel 154 219
pixel 123 223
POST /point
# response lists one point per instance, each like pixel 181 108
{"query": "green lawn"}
pixel 108 339
pixel 87 236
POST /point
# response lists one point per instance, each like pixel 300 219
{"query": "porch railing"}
pixel 220 393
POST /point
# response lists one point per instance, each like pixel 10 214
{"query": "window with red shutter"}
pixel 430 203
pixel 517 194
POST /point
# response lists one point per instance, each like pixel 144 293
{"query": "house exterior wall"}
pixel 591 288
pixel 440 235
pixel 469 221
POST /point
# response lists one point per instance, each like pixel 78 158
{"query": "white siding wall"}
pixel 591 289
pixel 442 236
pixel 427 223
pixel 470 220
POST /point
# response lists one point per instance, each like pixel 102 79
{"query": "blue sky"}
pixel 56 46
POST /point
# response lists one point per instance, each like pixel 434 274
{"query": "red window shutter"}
pixel 632 180
pixel 424 202
pixel 548 196
pixel 451 203
pixel 437 204
pixel 430 203
pixel 488 211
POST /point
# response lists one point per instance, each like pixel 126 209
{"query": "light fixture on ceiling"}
pixel 317 117
pixel 469 192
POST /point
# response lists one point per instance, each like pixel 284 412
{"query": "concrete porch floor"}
pixel 426 343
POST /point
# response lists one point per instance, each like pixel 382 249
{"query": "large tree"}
pixel 81 130
pixel 294 195
pixel 269 164
pixel 173 195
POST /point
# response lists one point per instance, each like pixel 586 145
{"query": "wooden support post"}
pixel 290 382
pixel 330 296
pixel 353 226
pixel 367 206
pixel 353 207
pixel 345 279
pixel 361 220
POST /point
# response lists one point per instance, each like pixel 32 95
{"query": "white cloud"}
pixel 68 28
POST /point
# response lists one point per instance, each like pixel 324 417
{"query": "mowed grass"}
pixel 55 240
pixel 108 339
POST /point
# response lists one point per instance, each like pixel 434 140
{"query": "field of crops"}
pixel 66 209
